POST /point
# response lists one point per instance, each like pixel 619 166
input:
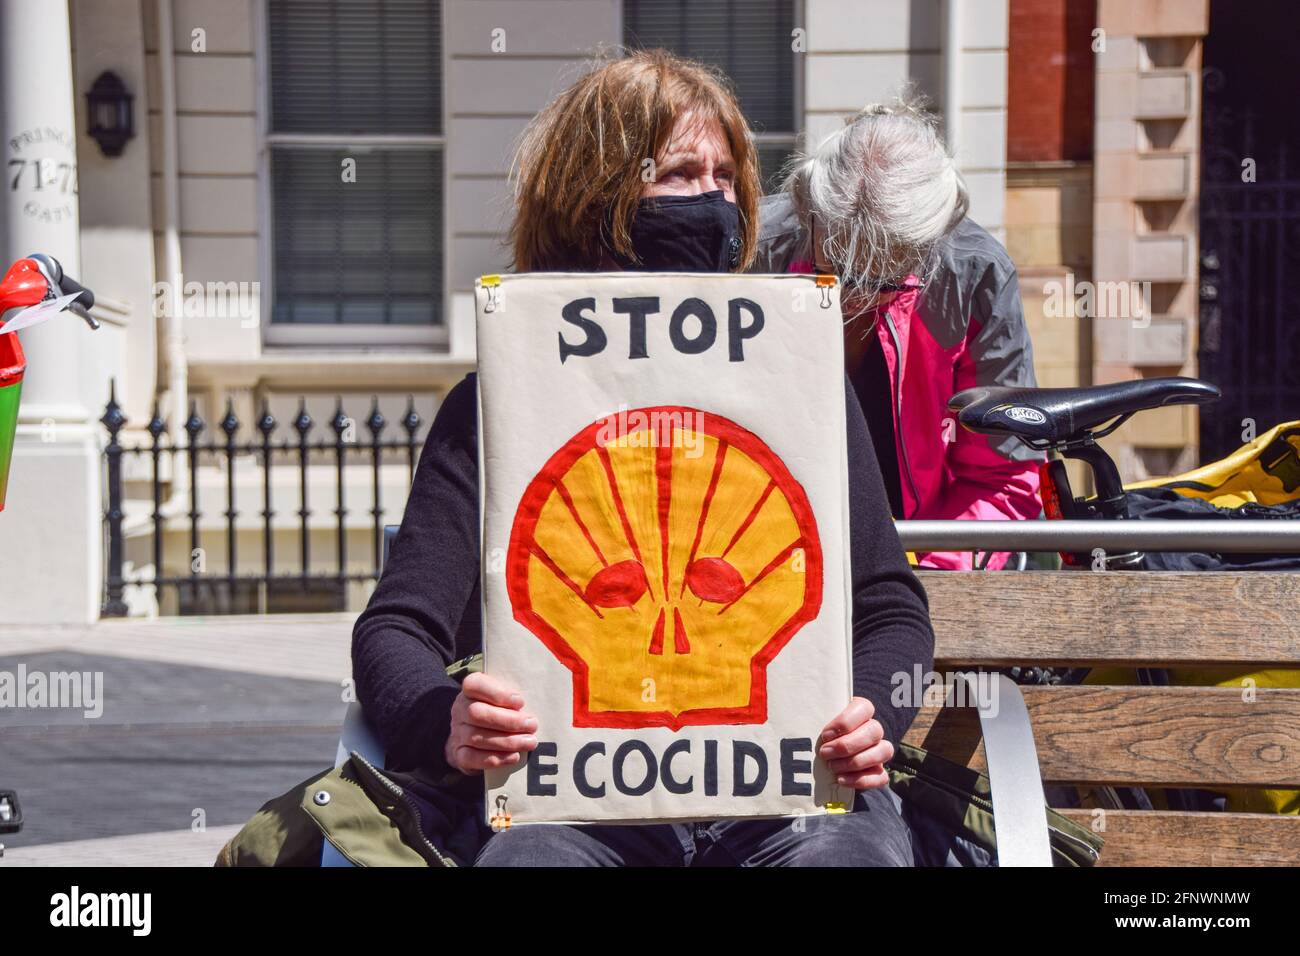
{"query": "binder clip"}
pixel 836 806
pixel 501 819
pixel 493 286
pixel 824 284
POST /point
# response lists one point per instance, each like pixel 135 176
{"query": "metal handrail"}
pixel 1245 535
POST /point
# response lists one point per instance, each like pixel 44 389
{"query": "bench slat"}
pixel 1171 736
pixel 1112 617
pixel 1168 838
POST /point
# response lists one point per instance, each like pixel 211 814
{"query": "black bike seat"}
pixel 1046 416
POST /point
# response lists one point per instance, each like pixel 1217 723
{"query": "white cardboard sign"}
pixel 665 524
pixel 36 314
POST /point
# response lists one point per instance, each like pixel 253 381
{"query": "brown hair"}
pixel 578 169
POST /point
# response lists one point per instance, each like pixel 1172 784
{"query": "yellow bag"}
pixel 1265 471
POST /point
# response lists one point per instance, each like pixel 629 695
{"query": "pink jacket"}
pixel 965 328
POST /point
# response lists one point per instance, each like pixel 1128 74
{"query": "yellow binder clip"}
pixel 492 284
pixel 501 819
pixel 825 283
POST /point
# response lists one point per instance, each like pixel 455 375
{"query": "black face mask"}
pixel 685 234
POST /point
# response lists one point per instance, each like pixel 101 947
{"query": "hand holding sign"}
pixel 489 726
pixel 854 745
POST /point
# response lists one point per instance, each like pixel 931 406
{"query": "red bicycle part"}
pixel 1053 481
pixel 24 284
pixel 1048 492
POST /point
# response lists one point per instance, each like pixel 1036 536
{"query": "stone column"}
pixel 1146 178
pixel 50 528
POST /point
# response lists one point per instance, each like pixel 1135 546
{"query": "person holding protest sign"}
pixel 931 305
pixel 645 163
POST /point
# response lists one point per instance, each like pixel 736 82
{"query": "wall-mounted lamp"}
pixel 109 108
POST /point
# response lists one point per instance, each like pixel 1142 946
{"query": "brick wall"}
pixel 1050 80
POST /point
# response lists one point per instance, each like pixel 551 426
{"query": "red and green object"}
pixel 23 284
pixel 12 366
pixel 28 281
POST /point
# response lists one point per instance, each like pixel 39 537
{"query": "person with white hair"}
pixel 931 304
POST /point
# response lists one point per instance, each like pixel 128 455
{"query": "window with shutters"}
pixel 749 40
pixel 355 152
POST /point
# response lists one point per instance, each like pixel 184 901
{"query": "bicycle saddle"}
pixel 1048 416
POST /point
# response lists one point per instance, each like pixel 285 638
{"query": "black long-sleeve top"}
pixel 425 611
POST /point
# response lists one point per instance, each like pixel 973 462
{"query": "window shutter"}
pixel 368 251
pixel 355 66
pixel 772 160
pixel 750 41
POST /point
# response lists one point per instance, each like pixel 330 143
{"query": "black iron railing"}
pixel 205 590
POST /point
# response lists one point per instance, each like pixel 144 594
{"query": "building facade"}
pixel 313 187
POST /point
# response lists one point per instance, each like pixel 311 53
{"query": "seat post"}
pixel 1110 490
pixel 1110 495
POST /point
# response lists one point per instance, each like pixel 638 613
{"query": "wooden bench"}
pixel 1133 736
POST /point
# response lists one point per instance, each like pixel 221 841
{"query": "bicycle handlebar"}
pixel 39 278
pixel 63 284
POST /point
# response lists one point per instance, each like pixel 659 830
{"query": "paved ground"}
pixel 181 848
pixel 203 719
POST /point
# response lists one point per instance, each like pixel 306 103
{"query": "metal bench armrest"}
pixel 359 738
pixel 1019 806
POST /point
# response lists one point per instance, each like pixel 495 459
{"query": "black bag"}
pixel 1157 503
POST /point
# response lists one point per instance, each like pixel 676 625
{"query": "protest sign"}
pixel 665 525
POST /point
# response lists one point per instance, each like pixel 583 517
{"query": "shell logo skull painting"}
pixel 665 556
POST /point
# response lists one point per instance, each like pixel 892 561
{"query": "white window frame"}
pixel 433 338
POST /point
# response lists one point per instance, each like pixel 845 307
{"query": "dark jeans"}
pixel 872 835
